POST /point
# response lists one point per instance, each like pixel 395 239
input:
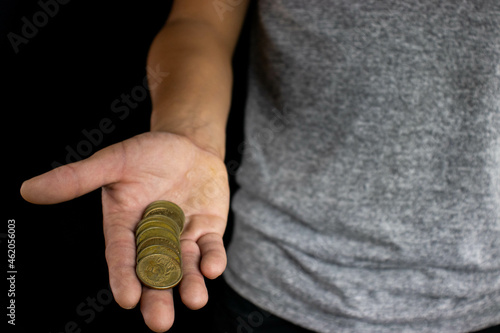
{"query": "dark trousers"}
pixel 234 314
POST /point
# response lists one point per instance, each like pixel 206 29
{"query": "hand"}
pixel 133 173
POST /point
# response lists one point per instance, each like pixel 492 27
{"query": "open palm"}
pixel 133 173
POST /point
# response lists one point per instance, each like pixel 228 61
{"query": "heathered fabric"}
pixel 370 183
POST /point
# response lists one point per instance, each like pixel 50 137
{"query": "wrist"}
pixel 207 136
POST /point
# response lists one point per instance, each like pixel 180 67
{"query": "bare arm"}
pixel 195 47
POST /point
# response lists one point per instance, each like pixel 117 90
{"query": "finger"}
pixel 192 287
pixel 75 179
pixel 207 232
pixel 120 255
pixel 213 255
pixel 157 307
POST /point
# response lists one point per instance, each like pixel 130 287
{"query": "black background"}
pixel 61 82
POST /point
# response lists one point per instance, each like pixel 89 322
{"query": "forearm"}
pixel 194 99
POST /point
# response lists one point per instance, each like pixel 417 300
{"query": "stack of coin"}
pixel 159 264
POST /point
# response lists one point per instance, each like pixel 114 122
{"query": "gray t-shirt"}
pixel 370 180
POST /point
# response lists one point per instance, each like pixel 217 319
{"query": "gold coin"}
pixel 163 218
pixel 156 232
pixel 159 271
pixel 157 221
pixel 167 208
pixel 159 241
pixel 158 249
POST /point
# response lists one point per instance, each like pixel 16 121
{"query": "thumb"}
pixel 75 179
